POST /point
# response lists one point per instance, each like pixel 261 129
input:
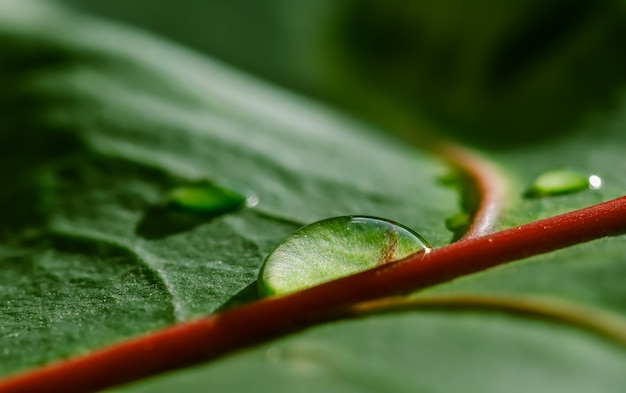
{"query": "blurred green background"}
pixel 491 73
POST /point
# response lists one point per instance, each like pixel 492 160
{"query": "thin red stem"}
pixel 216 335
pixel 487 180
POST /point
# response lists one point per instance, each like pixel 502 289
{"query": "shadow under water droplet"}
pixel 246 295
pixel 161 221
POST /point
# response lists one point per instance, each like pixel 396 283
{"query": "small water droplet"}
pixel 188 206
pixel 561 181
pixel 333 248
pixel 205 198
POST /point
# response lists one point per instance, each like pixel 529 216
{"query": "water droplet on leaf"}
pixel 208 198
pixel 333 248
pixel 188 206
pixel 561 181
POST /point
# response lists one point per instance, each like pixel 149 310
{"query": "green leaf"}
pixel 474 351
pixel 99 123
pixel 102 122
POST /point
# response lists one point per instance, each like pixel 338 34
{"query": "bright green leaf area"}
pixel 100 122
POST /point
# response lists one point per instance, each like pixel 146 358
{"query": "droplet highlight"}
pixel 560 182
pixel 595 182
pixel 333 248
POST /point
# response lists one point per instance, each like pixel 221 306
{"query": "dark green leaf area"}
pixel 86 267
pixel 412 351
pixel 99 123
pixel 494 74
pixel 210 123
pixel 61 297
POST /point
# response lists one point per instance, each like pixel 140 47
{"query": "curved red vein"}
pixel 216 335
pixel 488 181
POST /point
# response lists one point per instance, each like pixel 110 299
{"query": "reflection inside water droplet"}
pixel 334 248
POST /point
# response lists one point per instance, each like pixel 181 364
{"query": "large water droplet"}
pixel 333 248
pixel 562 181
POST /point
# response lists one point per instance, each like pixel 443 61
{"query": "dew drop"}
pixel 562 181
pixel 208 198
pixel 185 207
pixel 333 248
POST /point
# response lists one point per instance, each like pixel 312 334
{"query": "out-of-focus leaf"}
pixel 415 352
